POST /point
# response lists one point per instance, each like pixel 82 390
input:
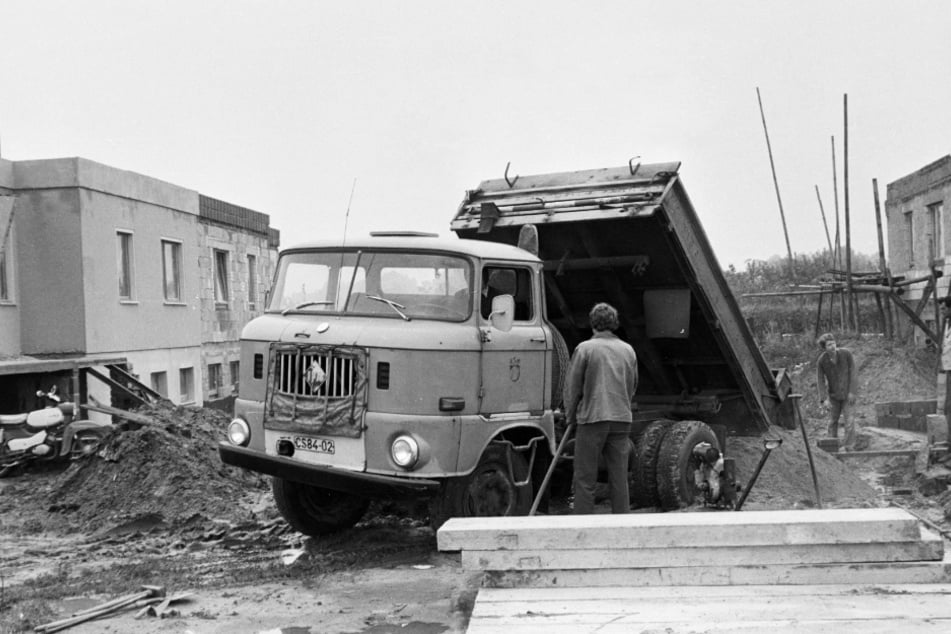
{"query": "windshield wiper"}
pixel 389 302
pixel 305 305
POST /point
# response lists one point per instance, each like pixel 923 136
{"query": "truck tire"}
pixel 316 511
pixel 644 492
pixel 488 491
pixel 676 463
pixel 559 367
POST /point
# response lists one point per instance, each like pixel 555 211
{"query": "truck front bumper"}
pixel 358 483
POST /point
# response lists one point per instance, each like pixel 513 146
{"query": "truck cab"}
pixel 397 365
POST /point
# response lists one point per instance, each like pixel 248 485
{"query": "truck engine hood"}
pixel 364 331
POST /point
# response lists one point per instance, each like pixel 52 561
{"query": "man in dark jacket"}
pixel 838 384
pixel 600 385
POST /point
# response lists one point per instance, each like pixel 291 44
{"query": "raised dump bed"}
pixel 630 236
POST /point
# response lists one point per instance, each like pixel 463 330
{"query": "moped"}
pixel 47 435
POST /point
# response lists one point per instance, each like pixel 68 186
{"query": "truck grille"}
pixel 322 375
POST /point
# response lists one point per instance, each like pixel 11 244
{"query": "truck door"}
pixel 513 363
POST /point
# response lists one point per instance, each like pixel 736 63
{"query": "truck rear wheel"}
pixel 314 510
pixel 676 463
pixel 644 492
pixel 489 491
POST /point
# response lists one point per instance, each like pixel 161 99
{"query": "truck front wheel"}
pixel 490 490
pixel 316 511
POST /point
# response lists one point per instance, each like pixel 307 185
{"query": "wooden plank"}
pixel 839 608
pixel 688 593
pixel 929 548
pixel 784 574
pixel 671 530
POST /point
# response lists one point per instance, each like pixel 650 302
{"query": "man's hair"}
pixel 603 317
pixel 824 339
pixel 947 301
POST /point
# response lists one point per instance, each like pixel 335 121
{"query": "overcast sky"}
pixel 279 106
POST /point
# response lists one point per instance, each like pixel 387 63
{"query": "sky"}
pixel 289 107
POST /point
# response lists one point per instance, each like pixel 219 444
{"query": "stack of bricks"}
pixel 906 415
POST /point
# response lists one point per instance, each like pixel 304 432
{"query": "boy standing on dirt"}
pixel 838 385
pixel 601 381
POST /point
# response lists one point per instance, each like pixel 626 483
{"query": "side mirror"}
pixel 503 312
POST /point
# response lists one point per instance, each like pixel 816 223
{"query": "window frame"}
pixel 252 281
pixel 178 270
pixel 936 219
pixel 186 379
pixel 125 264
pixel 909 217
pixel 221 276
pixel 158 381
pixel 214 386
pixel 6 274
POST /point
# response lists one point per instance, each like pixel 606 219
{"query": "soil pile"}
pixel 165 472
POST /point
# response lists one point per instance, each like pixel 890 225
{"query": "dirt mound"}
pixel 785 481
pixel 164 473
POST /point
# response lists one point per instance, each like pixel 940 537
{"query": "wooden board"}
pixel 783 574
pixel 930 547
pixel 848 608
pixel 678 530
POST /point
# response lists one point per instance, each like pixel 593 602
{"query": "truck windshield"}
pixel 399 285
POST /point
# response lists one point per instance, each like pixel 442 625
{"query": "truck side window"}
pixel 516 282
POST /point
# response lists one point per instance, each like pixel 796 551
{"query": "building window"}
pixel 124 253
pixel 4 276
pixel 936 217
pixel 214 380
pixel 235 368
pixel 159 382
pixel 910 238
pixel 221 277
pixel 252 282
pixel 172 270
pixel 186 384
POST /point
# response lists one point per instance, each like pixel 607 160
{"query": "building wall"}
pixel 9 308
pixel 147 321
pixel 910 228
pixel 221 323
pixel 49 269
pixel 914 236
pixel 66 269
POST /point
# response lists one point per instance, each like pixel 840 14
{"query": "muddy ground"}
pixel 157 507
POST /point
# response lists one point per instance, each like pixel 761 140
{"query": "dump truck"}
pixel 408 366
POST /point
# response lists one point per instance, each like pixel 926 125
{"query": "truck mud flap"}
pixel 355 482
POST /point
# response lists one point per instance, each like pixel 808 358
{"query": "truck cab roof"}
pixel 410 241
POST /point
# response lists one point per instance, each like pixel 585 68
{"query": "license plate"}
pixel 316 445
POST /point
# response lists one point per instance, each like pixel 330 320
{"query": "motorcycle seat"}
pixel 12 419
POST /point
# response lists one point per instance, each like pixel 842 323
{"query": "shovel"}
pixel 551 468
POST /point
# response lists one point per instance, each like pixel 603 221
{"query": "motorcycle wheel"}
pixel 86 443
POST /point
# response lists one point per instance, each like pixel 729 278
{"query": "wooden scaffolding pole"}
pixel 779 200
pixel 890 320
pixel 838 234
pixel 852 313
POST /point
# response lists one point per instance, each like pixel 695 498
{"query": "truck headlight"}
pixel 405 452
pixel 238 432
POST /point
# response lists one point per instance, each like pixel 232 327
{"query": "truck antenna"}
pixel 346 218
